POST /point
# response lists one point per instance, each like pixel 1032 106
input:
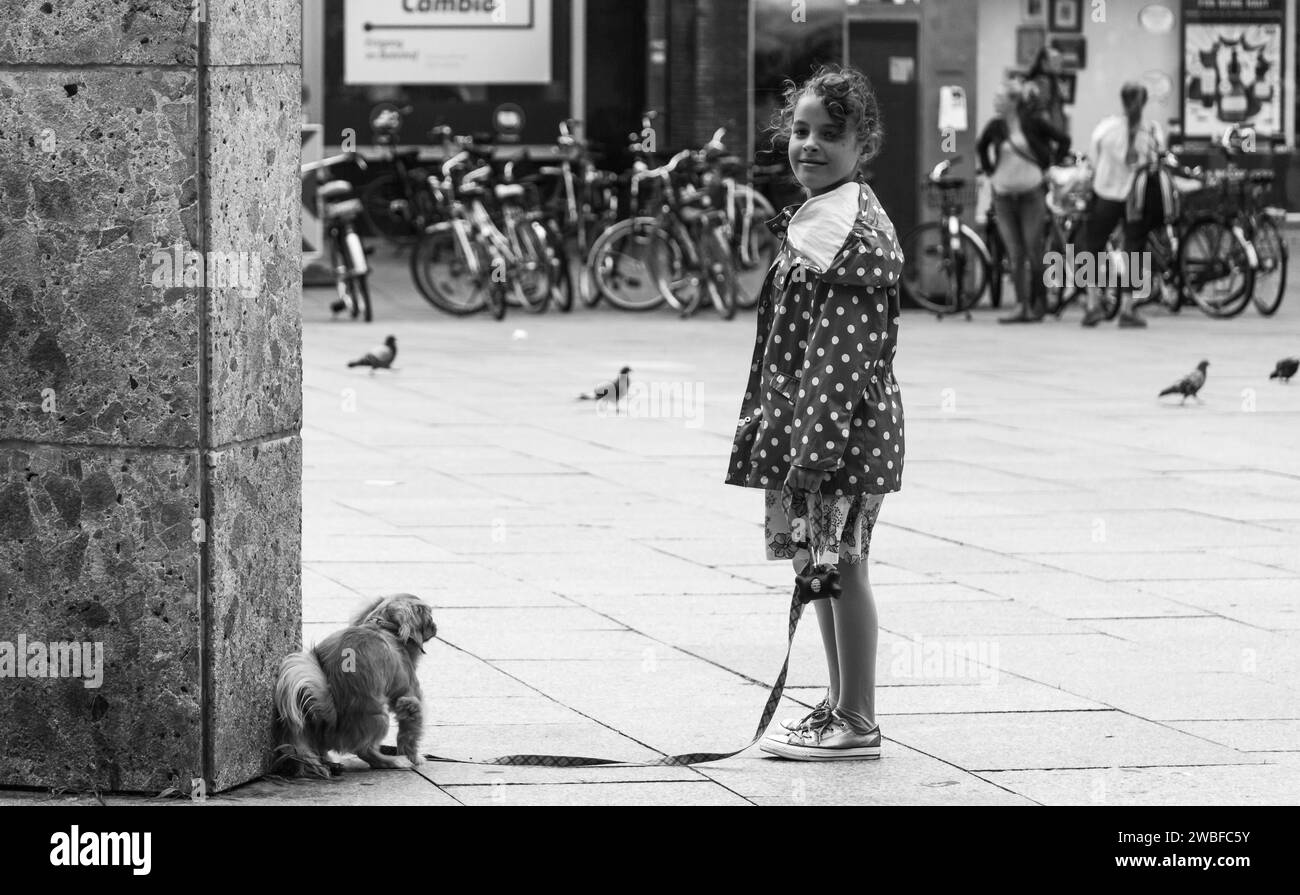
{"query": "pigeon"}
pixel 613 390
pixel 379 359
pixel 1285 369
pixel 1190 384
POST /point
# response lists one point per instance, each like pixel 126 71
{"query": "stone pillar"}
pixel 150 412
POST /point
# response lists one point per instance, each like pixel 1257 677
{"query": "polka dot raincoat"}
pixel 821 392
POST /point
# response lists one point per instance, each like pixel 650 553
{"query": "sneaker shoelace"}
pixel 819 729
pixel 820 712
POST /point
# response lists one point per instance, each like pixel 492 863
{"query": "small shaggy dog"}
pixel 337 695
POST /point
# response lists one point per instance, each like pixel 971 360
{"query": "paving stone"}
pixel 1281 735
pixel 1023 740
pixel 971 618
pixel 1272 604
pixel 1146 566
pixel 357 785
pixel 901 776
pixel 1228 784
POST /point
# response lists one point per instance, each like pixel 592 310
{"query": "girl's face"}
pixel 821 158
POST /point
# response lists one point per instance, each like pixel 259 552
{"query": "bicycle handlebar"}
pixel 308 167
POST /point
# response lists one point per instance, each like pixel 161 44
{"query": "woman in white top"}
pixel 1122 147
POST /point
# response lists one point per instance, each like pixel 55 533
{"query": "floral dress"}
pixel 821 392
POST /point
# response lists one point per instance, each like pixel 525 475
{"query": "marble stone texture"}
pixel 99 32
pixel 254 329
pixel 96 546
pixel 97 174
pixel 254 597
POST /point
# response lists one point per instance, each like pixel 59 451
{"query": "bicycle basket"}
pixel 1222 193
pixel 950 195
pixel 1069 187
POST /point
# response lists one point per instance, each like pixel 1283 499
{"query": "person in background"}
pixel 1015 150
pixel 1124 146
pixel 1045 74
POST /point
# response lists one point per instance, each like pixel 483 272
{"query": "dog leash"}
pixel 818 581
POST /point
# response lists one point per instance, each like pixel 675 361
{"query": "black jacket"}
pixel 1047 143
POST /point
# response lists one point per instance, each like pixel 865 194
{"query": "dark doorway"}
pixel 616 77
pixel 886 53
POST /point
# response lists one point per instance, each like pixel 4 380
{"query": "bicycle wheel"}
pixel 1214 267
pixel 754 245
pixel 533 271
pixel 377 198
pixel 719 268
pixel 928 265
pixel 444 275
pixel 625 261
pixel 1270 276
pixel 561 274
pixel 1056 293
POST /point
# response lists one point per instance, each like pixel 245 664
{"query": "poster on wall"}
pixel 447 41
pixel 1233 65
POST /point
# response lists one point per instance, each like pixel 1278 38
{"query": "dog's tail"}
pixel 302 693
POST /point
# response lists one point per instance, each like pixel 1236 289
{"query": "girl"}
pixel 1015 149
pixel 1124 146
pixel 821 428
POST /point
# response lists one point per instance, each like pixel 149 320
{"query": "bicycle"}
pixel 1260 225
pixel 1216 249
pixel 471 260
pixel 946 264
pixel 678 255
pixel 1171 280
pixel 584 200
pixel 339 210
pixel 398 206
pixel 1069 195
pixel 753 245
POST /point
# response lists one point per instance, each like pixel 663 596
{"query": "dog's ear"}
pixel 400 616
pixel 428 630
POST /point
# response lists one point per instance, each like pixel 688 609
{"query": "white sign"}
pixel 952 108
pixel 447 41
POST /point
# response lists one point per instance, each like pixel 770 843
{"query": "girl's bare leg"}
pixel 856 636
pixel 826 622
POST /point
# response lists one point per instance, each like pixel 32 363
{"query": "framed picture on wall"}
pixel 1029 40
pixel 1073 49
pixel 1033 10
pixel 1065 15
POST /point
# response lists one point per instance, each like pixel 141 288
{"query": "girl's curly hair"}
pixel 849 100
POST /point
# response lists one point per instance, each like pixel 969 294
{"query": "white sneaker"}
pixel 833 740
